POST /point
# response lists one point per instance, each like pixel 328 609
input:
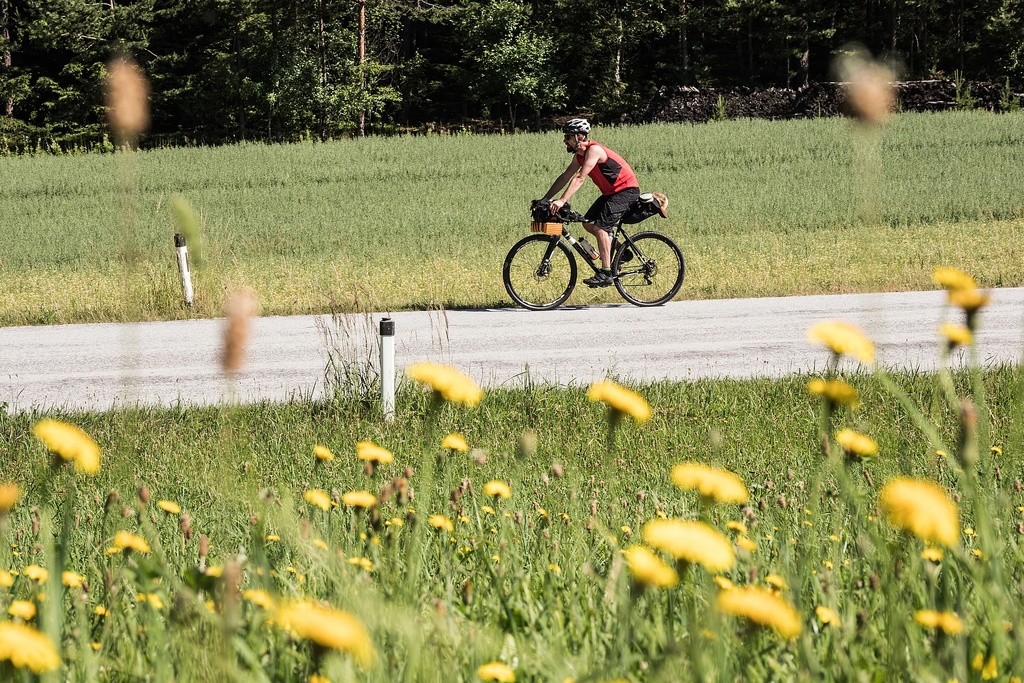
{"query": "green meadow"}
pixel 759 208
pixel 540 581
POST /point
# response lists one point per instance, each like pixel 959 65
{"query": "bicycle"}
pixel 540 270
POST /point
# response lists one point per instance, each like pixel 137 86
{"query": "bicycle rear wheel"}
pixel 651 271
pixel 539 272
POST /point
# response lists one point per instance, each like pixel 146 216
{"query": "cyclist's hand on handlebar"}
pixel 556 205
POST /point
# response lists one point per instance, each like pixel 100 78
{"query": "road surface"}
pixel 96 367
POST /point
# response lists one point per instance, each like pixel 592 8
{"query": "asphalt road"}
pixel 95 367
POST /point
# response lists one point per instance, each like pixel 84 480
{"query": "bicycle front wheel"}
pixel 650 271
pixel 539 272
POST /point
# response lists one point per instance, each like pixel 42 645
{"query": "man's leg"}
pixel 604 243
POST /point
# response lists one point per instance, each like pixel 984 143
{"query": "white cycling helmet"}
pixel 576 127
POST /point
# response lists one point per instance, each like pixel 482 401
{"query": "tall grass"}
pixel 395 223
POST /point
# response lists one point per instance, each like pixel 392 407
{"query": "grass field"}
pixel 760 209
pixel 536 581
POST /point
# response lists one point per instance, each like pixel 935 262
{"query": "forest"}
pixel 283 70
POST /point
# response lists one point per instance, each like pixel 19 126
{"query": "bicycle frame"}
pixel 595 264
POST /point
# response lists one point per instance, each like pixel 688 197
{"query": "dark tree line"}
pixel 281 69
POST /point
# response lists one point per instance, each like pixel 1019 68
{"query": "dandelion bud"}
pixel 238 309
pixel 967 448
pixel 782 501
pixel 368 468
pixel 544 479
pixel 1017 485
pixel 874 581
pixel 254 520
pixel 1020 528
pixel 144 494
pixel 35 526
pixel 112 499
pixel 480 457
pixel 127 512
pixel 204 546
pixel 527 446
pixel 467 592
pixel 593 508
pixel 752 574
pixel 518 517
pixel 127 99
pixel 556 470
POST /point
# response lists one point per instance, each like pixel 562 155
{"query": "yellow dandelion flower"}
pixel 260 598
pixel 23 609
pixel 554 568
pixel 154 600
pixel 26 648
pixel 990 671
pixel 932 554
pixel 843 338
pixel 441 522
pixel 724 583
pixel 693 542
pixel 317 678
pixel 6 580
pixel 72 579
pixel 762 607
pixel 169 506
pixel 957 335
pixel 776 581
pixel 318 498
pixel 273 538
pixel 100 610
pixel 856 444
pixel 737 526
pixel 944 621
pixel 10 494
pixel 447 383
pixel 320 544
pixel 970 300
pixel 126 540
pixel 826 615
pixel 648 569
pixel 70 443
pixel 620 399
pixel 746 543
pixel 359 499
pixel 953 279
pixel 836 391
pixel 496 671
pixel 328 628
pixel 215 572
pixel 996 450
pixel 36 573
pixel 322 453
pixel 923 509
pixel 714 484
pixel 497 489
pixel 455 442
pixel 369 451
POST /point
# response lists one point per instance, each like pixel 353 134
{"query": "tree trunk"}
pixel 684 39
pixel 618 60
pixel 6 36
pixel 323 68
pixel 362 62
pixel 805 55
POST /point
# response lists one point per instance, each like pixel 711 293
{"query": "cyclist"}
pixel 611 174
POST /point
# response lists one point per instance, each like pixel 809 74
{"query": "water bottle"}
pixel 591 252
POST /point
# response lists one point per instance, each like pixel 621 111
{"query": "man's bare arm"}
pixel 562 179
pixel 579 177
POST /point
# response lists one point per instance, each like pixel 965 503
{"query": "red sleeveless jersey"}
pixel 614 175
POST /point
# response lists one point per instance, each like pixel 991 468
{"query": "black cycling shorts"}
pixel 608 209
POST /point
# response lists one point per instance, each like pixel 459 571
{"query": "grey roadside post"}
pixel 387 368
pixel 186 277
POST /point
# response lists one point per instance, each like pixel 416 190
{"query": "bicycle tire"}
pixel 654 272
pixel 531 282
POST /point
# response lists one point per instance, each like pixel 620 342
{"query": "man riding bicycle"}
pixel 613 177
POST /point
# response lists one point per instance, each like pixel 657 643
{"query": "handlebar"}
pixel 540 210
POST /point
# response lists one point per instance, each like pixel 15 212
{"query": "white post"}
pixel 186 277
pixel 387 368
